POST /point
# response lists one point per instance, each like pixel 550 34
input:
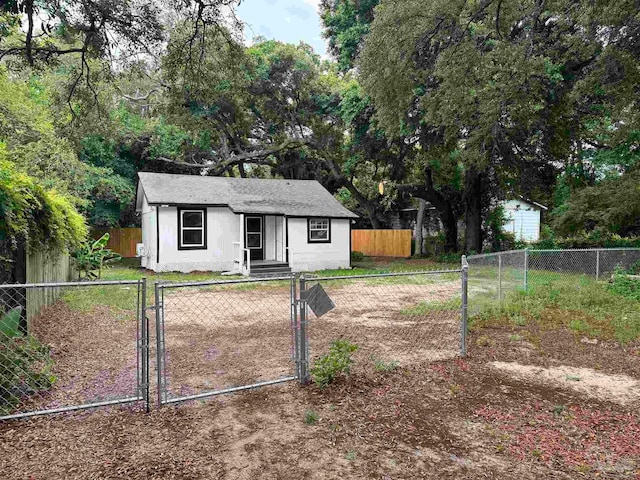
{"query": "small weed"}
pixel 454 389
pixel 382 366
pixel 559 409
pixel 310 417
pixel 515 338
pixel 484 341
pixel 350 455
pixel 573 378
pixel 338 361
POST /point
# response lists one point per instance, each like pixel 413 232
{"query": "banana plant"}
pixel 91 257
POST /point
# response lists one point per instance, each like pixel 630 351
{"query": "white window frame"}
pixel 203 228
pixel 327 229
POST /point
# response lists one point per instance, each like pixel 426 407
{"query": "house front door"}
pixel 254 236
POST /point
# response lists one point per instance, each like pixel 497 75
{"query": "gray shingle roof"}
pixel 304 198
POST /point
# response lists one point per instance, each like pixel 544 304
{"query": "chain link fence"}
pixel 70 346
pixel 394 319
pixel 222 336
pixel 495 275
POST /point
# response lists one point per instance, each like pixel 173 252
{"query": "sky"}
pixel 289 21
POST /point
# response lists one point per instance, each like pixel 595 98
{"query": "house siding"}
pixel 304 256
pixel 148 221
pixel 524 220
pixel 223 228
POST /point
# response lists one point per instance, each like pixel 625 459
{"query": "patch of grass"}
pixel 555 300
pixel 310 417
pixel 351 455
pixel 516 338
pixel 423 308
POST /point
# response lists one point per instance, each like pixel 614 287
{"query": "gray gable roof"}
pixel 303 198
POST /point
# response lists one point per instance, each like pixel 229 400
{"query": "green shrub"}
pixel 624 285
pixel 25 369
pixel 357 256
pixel 337 362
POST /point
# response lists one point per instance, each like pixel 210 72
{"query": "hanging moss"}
pixel 40 218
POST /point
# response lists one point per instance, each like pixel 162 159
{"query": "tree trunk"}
pixel 419 221
pixel 473 211
pixel 450 225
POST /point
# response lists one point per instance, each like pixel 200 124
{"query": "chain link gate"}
pixel 220 337
pixel 72 346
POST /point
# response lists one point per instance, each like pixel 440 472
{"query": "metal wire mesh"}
pixel 69 346
pixel 494 275
pixel 216 337
pixel 394 319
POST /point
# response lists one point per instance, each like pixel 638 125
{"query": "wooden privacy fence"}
pixel 382 243
pixel 121 240
pixel 44 267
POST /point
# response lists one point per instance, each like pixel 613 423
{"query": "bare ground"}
pixel 434 417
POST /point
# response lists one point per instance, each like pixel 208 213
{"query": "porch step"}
pixel 271 269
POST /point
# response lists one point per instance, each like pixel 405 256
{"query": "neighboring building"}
pixel 524 219
pixel 242 225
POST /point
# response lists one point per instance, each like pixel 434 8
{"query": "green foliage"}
pixel 25 369
pixel 613 205
pixel 570 301
pixel 624 285
pixel 338 361
pixel 594 239
pixel 346 22
pixel 42 218
pixel 357 256
pixel 91 257
pixel 10 323
pixel 310 417
pixel 384 366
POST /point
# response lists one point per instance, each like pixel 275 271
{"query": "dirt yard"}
pixel 524 404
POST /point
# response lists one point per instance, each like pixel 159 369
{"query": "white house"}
pixel 524 217
pixel 242 225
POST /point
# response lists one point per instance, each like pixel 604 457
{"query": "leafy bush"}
pixel 91 257
pixel 595 239
pixel 338 361
pixel 624 285
pixel 357 256
pixel 25 369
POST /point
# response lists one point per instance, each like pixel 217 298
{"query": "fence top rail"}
pixel 72 284
pixel 378 275
pixel 222 282
pixel 532 250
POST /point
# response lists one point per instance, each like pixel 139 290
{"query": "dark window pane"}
pixel 319 235
pixel 191 219
pixel 192 237
pixel 254 240
pixel 254 224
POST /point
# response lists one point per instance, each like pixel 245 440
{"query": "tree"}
pixel 611 206
pixel 345 23
pixel 498 89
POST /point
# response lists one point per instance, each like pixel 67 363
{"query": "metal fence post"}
pixel 304 360
pixel 526 269
pixel 500 278
pixel 295 326
pixel 145 347
pixel 463 308
pixel 159 342
pixel 597 264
